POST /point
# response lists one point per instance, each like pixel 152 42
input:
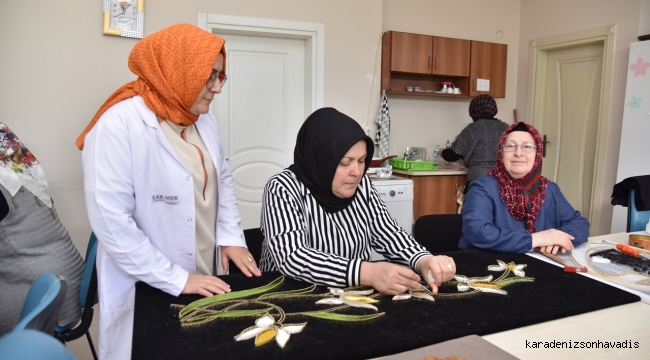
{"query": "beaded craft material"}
pixel 269 325
pixel 622 271
pixel 638 264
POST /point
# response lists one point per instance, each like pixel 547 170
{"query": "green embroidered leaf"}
pixel 512 280
pixel 306 290
pixel 485 285
pixel 226 314
pixel 230 296
pixel 343 317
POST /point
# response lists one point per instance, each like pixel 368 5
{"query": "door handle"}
pixel 544 142
pixel 429 63
pixel 436 62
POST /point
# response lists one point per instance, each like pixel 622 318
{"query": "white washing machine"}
pixel 397 193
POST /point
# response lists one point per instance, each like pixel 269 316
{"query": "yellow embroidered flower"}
pixel 350 298
pixel 483 284
pixel 266 329
pixel 412 293
pixel 516 269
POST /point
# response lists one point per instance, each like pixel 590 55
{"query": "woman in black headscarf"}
pixel 477 143
pixel 321 217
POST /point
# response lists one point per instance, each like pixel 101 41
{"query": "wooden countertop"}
pixel 439 172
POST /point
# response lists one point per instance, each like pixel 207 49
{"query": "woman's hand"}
pixel 205 285
pixel 387 278
pixel 242 259
pixel 443 268
pixel 552 240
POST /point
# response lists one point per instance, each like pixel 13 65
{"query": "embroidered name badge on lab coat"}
pixel 168 199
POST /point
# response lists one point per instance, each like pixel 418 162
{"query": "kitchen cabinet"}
pixel 489 62
pixel 435 194
pixel 450 56
pixel 410 53
pixel 424 54
pixel 426 61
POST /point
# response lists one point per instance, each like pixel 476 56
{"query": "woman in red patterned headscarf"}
pixel 513 208
pixel 159 194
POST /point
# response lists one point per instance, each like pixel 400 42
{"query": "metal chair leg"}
pixel 92 346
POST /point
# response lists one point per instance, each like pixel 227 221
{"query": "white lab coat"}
pixel 140 202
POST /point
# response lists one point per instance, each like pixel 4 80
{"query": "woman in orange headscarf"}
pixel 158 190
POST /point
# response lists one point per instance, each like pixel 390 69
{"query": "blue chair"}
pixel 42 305
pixel 87 300
pixel 31 344
pixel 636 220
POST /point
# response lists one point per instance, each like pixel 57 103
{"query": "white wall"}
pixel 644 21
pixel 540 19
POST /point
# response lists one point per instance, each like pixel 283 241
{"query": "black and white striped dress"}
pixel 304 242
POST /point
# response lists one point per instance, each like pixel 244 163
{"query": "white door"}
pixel 259 112
pixel 570 121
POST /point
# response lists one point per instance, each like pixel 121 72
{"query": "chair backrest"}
pixel 87 299
pixel 439 232
pixel 636 219
pixel 254 239
pixel 88 287
pixel 31 344
pixel 42 304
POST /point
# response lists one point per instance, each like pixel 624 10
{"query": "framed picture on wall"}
pixel 124 18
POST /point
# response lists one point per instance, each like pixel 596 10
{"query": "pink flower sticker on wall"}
pixel 640 67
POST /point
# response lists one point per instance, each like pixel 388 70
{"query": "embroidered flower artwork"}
pixel 270 323
pixel 266 329
pixel 639 68
pixel 350 298
pixel 635 103
pixel 517 269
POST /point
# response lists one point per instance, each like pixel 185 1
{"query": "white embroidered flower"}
pixel 516 269
pixel 266 329
pixel 483 284
pixel 351 298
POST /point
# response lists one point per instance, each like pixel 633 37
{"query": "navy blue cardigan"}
pixel 487 224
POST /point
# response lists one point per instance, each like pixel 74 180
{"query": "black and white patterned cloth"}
pixel 383 127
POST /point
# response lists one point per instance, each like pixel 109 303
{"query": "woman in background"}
pixel 159 193
pixel 321 217
pixel 32 239
pixel 513 208
pixel 476 145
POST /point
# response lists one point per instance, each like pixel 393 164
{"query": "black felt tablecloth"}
pixel 407 325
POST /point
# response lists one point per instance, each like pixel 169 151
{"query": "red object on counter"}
pixel 377 162
pixel 627 250
pixel 575 269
